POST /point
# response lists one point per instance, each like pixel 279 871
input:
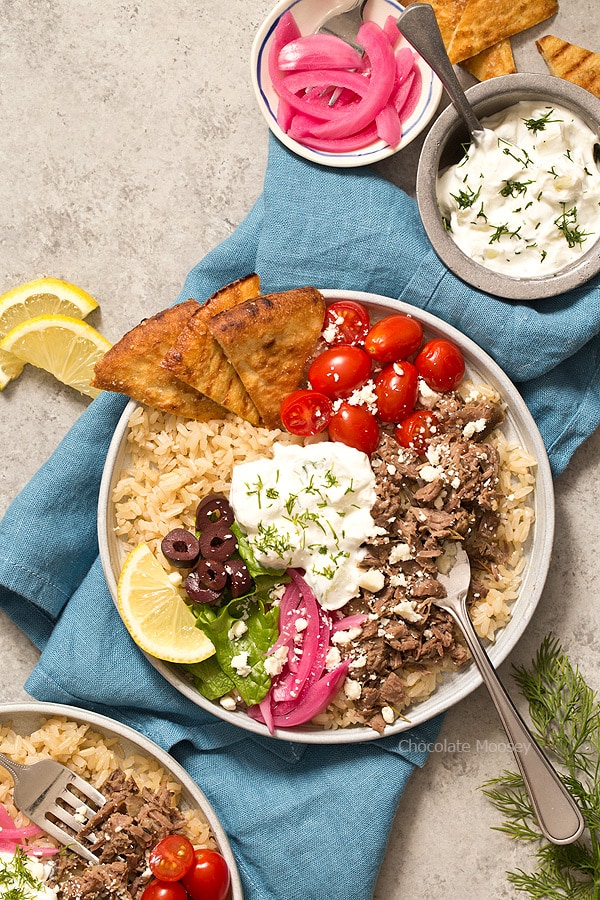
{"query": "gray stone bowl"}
pixel 443 147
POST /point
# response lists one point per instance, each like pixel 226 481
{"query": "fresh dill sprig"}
pixel 565 713
pixel 466 198
pixel 567 223
pixel 535 125
pixel 514 188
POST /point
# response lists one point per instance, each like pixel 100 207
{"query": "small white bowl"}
pixel 310 15
pixel 443 147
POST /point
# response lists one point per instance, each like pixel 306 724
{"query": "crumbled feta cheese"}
pixel 300 624
pixel 388 715
pixel 238 628
pixel 430 473
pixel 472 428
pixel 176 578
pixel 399 553
pixel 276 661
pixel 333 658
pixel 345 637
pixel 372 580
pixel 228 703
pixel 427 396
pixel 360 662
pixel 398 580
pixel 352 689
pixel 406 609
pixel 240 664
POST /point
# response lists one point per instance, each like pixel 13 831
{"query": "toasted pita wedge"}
pixel 496 60
pixel 132 367
pixel 571 62
pixel 269 341
pixel 198 360
pixel 447 13
pixel 483 24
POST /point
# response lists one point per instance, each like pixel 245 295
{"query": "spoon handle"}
pixel 559 818
pixel 419 26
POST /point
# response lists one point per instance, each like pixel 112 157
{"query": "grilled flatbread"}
pixel 483 24
pixel 447 13
pixel 571 62
pixel 269 340
pixel 198 360
pixel 496 60
pixel 132 367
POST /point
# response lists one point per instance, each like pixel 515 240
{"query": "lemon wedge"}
pixel 36 298
pixel 155 615
pixel 62 345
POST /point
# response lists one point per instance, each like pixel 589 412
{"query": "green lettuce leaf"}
pixel 261 633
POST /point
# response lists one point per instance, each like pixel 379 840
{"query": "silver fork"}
pixel 343 19
pixel 559 818
pixel 44 792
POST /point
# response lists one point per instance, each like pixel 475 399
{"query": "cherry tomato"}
pixel 209 877
pixel 415 430
pixel 441 365
pixel 394 338
pixel 338 371
pixel 164 890
pixel 346 322
pixel 170 859
pixel 356 427
pixel 305 412
pixel 396 388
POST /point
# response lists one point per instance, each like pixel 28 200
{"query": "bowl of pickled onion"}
pixel 339 103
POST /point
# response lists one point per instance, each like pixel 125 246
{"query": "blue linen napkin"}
pixel 292 812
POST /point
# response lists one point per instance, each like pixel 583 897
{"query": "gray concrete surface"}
pixel 130 146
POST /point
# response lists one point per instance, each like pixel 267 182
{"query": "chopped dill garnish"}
pixel 514 188
pixel 466 198
pixel 503 230
pixel 567 223
pixel 535 125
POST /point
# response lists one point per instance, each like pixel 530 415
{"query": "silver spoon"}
pixel 419 26
pixel 559 818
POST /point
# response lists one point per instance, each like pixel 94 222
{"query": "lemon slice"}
pixel 155 615
pixel 37 298
pixel 62 345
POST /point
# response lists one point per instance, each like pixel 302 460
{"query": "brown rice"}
pixel 94 757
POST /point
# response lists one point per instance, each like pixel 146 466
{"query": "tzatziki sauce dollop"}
pixel 525 199
pixel 25 877
pixel 309 507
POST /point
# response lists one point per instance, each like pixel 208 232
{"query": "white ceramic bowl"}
pixel 310 15
pixel 443 147
pixel 28 717
pixel 519 426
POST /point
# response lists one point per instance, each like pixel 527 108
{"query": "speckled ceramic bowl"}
pixel 518 427
pixel 310 15
pixel 26 718
pixel 443 147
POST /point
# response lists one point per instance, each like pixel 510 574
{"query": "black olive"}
pixel 240 581
pixel 217 541
pixel 181 548
pixel 211 574
pixel 212 509
pixel 197 592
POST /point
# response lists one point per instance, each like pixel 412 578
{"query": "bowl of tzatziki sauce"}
pixel 516 214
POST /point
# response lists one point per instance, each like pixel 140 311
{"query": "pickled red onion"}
pixel 374 93
pixel 13 836
pixel 303 688
pixel 318 51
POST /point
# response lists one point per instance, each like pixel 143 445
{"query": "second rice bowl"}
pixel 519 429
